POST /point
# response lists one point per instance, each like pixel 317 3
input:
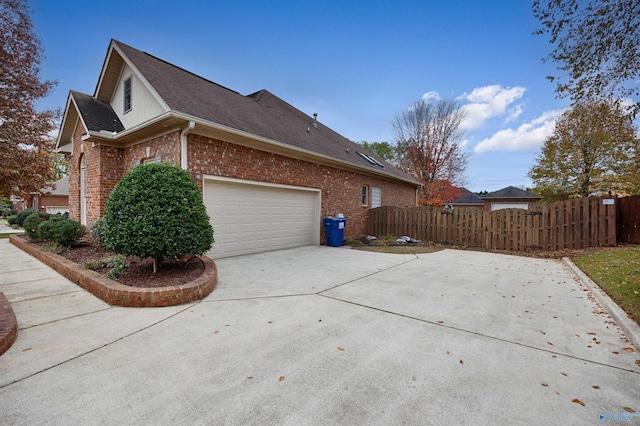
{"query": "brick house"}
pixel 267 171
pixel 54 200
pixel 511 198
pixel 505 198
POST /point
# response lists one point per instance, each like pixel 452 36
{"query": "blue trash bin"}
pixel 334 229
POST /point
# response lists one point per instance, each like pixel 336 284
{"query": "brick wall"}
pixel 53 201
pixel 107 165
pixel 341 190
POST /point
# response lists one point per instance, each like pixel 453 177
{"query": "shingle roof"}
pixel 511 192
pixel 97 115
pixel 61 187
pixel 468 197
pixel 262 113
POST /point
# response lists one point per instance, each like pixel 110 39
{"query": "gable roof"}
pixel 511 192
pixel 468 197
pixel 260 115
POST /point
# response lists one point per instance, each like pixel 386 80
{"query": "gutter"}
pixel 183 143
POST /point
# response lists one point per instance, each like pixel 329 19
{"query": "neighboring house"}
pixel 468 199
pixel 267 171
pixel 511 198
pixel 56 199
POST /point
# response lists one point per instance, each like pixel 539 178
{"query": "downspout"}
pixel 183 143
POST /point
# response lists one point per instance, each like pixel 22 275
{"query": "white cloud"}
pixel 431 95
pixel 490 101
pixel 527 137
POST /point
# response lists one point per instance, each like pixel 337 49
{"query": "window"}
pixel 376 197
pixel 127 94
pixel 365 195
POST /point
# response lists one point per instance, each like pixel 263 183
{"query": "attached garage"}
pixel 251 217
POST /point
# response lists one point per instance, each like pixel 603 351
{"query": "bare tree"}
pixel 429 139
pixel 25 144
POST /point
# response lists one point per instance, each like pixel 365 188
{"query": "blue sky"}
pixel 357 64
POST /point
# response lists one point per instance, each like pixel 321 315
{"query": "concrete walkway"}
pixel 320 335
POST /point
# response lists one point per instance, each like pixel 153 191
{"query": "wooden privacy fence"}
pixel 572 224
pixel 629 219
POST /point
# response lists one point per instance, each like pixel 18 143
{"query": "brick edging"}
pixel 118 294
pixel 8 325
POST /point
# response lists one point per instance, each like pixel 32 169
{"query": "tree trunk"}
pixel 157 263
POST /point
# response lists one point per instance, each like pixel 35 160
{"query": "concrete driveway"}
pixel 321 335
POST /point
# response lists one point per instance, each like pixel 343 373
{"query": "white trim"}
pixel 260 183
pixel 144 81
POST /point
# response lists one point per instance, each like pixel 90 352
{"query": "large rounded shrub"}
pixel 64 231
pixel 23 215
pixel 32 222
pixel 156 211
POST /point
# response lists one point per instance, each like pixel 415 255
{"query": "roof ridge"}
pixel 177 67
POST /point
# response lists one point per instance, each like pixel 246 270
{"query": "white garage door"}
pixel 500 206
pixel 250 217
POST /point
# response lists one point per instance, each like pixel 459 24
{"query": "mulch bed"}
pixel 139 272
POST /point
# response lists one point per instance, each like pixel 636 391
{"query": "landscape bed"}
pixel 115 293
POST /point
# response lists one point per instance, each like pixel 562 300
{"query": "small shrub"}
pixel 6 207
pixel 355 243
pixel 65 232
pixel 116 263
pixel 32 222
pixel 94 264
pixel 23 215
pixel 95 232
pixel 52 247
pixel 12 219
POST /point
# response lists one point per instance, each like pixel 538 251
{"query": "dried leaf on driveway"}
pixel 545 384
pixel 629 349
pixel 340 348
pixel 638 362
pixel 249 377
pixel 629 410
pixel 563 373
pixel 577 401
pixel 592 333
pixel 595 387
pixel 281 378
pixel 549 343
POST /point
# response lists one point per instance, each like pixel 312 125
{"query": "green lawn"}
pixel 617 272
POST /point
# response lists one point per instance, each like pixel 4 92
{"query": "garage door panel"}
pixel 249 218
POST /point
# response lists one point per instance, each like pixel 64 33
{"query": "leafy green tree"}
pixel 384 150
pixel 156 211
pixel 597 47
pixel 590 151
pixel 26 148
